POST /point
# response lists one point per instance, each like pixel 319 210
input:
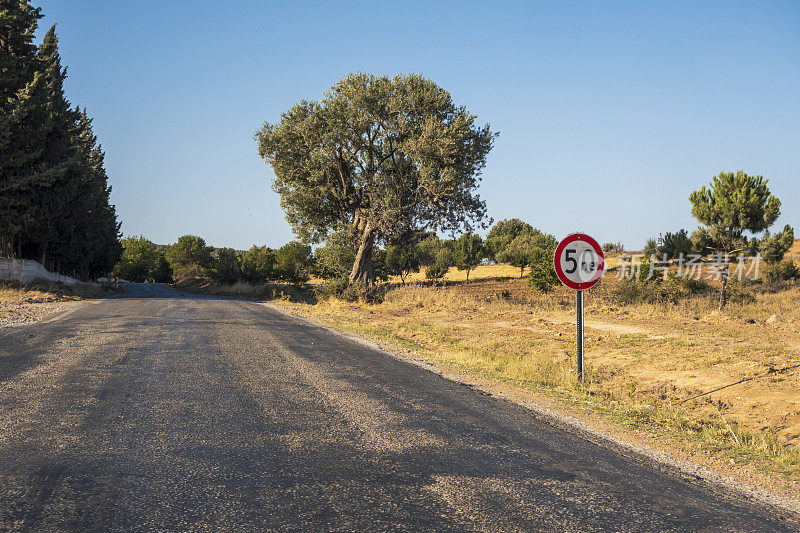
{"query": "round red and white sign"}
pixel 579 261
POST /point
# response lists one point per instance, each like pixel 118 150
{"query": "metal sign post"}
pixel 579 301
pixel 579 263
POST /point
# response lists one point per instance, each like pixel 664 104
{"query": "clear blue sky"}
pixel 610 113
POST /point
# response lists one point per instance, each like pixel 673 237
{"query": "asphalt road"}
pixel 157 411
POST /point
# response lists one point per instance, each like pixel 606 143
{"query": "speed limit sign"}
pixel 579 261
pixel 579 264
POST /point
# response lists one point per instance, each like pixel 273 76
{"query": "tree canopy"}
pixel 676 244
pixel 258 264
pixel 190 256
pixel 732 205
pixel 380 156
pixel 503 232
pixel 774 247
pixel 519 252
pixel 142 260
pixel 468 251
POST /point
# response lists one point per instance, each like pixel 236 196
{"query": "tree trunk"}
pixel 521 271
pixel 362 267
pixel 723 295
pixel 467 275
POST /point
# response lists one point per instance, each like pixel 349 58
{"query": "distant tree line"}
pixel 511 241
pixel 190 256
pixel 54 193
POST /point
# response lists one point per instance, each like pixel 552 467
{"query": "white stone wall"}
pixel 25 271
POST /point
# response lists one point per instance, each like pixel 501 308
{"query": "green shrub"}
pixel 673 289
pixel 782 271
pixel 542 276
pixel 336 257
pixel 226 266
pixel 332 288
pixel 293 262
pixel 189 257
pixel 258 263
pixel 354 293
pixel 141 260
pixel 436 272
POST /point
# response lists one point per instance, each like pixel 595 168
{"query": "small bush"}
pixel 783 271
pixel 332 288
pixel 436 271
pixel 674 289
pixel 353 293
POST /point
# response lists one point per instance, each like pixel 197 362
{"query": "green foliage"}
pixel 467 252
pixel 442 261
pixel 428 246
pixel 651 248
pixel 773 247
pixel 226 265
pixel 782 271
pixel 331 288
pixel 190 257
pixel 519 252
pixel 142 260
pixel 502 233
pixel 294 262
pixel 335 259
pixel 613 247
pixel 436 271
pixel 542 276
pixel 732 205
pixel 54 196
pixel 674 289
pixel 379 267
pixel 258 263
pixel 676 244
pixel 163 272
pixel 381 156
pixel 342 289
pixel 642 273
pixel 402 259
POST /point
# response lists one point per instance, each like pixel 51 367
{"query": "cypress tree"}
pixel 22 127
pixel 51 196
pixel 54 193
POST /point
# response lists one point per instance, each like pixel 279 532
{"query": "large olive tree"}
pixel 379 156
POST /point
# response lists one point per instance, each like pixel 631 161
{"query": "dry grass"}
pixel 643 360
pixel 248 291
pixel 480 273
pixel 42 291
